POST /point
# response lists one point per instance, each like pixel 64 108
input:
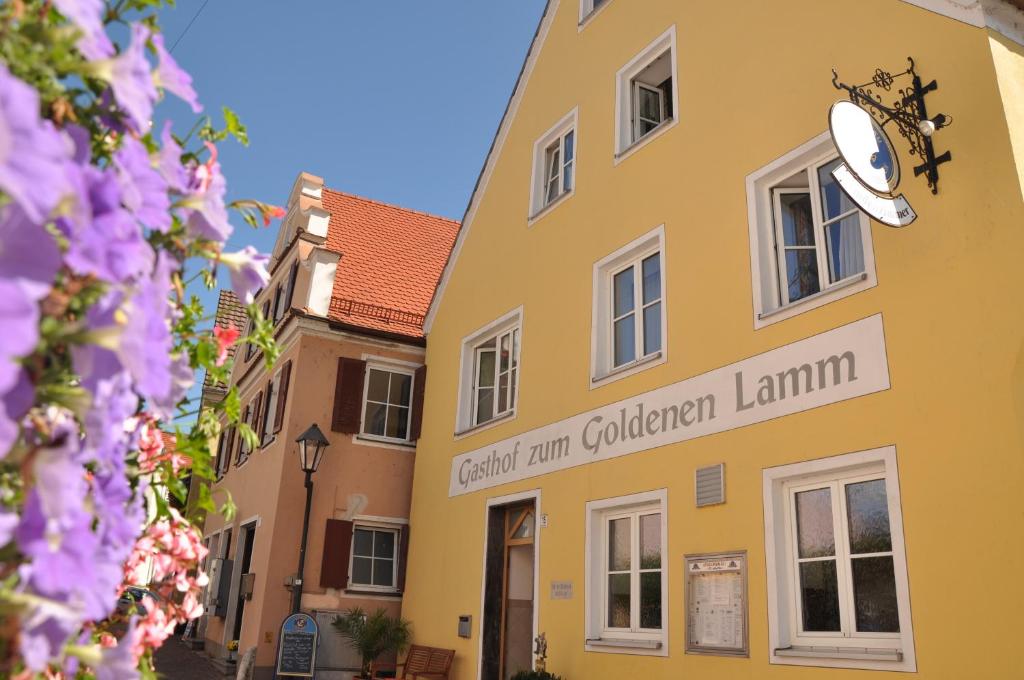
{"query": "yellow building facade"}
pixel 690 412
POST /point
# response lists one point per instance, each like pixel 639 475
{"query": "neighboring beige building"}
pixel 351 280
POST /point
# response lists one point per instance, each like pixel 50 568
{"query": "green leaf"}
pixel 205 500
pixel 235 127
pixel 228 509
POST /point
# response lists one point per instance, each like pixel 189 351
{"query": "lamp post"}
pixel 311 443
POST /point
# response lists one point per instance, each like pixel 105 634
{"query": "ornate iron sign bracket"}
pixel 907 112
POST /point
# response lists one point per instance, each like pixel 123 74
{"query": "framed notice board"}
pixel 716 604
pixel 296 653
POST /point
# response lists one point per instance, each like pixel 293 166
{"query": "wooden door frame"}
pixel 525 507
pixel 510 499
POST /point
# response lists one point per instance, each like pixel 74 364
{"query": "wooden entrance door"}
pixel 508 605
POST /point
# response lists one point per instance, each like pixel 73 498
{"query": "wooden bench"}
pixel 421 662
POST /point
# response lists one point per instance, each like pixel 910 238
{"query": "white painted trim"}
pixel 999 15
pixel 624 144
pixel 378 519
pixel 464 406
pixel 764 275
pixel 386 365
pixel 779 633
pixel 601 371
pixel 507 500
pixel 587 13
pixel 492 158
pixel 595 510
pixel 372 525
pixel 538 175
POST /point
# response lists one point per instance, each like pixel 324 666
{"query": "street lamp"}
pixel 311 443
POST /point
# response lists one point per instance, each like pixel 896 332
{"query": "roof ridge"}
pixel 391 205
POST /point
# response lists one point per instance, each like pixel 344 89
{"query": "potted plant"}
pixel 373 635
pixel 232 648
pixel 535 675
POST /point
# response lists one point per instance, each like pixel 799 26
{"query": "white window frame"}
pixel 787 644
pixel 599 637
pixel 765 258
pixel 588 11
pixel 465 419
pixel 375 526
pixel 539 205
pixel 602 369
pixel 388 368
pixel 625 142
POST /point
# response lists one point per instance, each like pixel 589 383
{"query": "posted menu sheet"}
pixel 716 607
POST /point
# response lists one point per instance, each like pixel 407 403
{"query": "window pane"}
pixel 567 177
pixel 649 104
pixel 570 145
pixel 484 404
pixel 845 248
pixel 362 543
pixel 383 544
pixel 618 601
pixel 623 292
pixel 515 347
pixel 618 544
pixel 874 595
pixel 651 270
pixel 868 509
pixel 486 375
pixel 650 541
pixel 819 595
pixel 650 599
pixel 503 393
pixel 652 328
pixel 814 523
pixel 374 421
pixel 834 200
pixel 503 348
pixel 383 572
pixel 512 389
pixel 361 570
pixel 401 387
pixel 625 340
pixel 398 422
pixel 525 529
pixel 797 220
pixel 802 273
pixel 377 388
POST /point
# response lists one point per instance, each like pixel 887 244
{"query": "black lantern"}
pixel 312 443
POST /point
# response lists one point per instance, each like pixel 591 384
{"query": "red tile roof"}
pixel 229 312
pixel 391 260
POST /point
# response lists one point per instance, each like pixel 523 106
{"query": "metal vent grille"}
pixel 710 484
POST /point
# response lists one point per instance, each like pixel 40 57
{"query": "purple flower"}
pixel 56 549
pixel 106 439
pixel 19 319
pixel 42 638
pixel 98 361
pixel 143 189
pixel 13 406
pixel 248 269
pixel 88 15
pixel 182 377
pixel 103 238
pixel 32 152
pixel 146 342
pixel 207 214
pixel 118 663
pixel 8 522
pixel 131 80
pixel 172 77
pixel 19 237
pixel 170 166
pixel 60 487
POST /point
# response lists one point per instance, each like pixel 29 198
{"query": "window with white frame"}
pixel 387 406
pixel 588 7
pixel 646 92
pixel 374 558
pixel 554 161
pixel 490 372
pixel 809 243
pixel 626 573
pixel 629 308
pixel 837 564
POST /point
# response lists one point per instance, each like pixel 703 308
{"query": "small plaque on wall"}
pixel 716 604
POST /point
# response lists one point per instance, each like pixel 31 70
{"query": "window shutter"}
pixel 257 419
pixel 419 383
pixel 403 556
pixel 282 395
pixel 337 546
pixel 228 450
pixel 348 395
pixel 710 485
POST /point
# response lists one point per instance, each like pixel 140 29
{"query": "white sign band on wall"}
pixel 843 363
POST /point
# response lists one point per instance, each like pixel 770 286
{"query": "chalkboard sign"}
pixel 296 652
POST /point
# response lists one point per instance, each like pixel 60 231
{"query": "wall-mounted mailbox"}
pixel 246 585
pixel 465 625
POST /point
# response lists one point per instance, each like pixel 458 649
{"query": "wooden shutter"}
pixel 419 383
pixel 246 417
pixel 337 546
pixel 228 449
pixel 282 395
pixel 403 556
pixel 348 395
pixel 710 485
pixel 257 411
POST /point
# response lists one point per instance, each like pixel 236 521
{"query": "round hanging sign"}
pixel 865 147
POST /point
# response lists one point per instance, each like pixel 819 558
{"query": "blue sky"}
pixel 394 100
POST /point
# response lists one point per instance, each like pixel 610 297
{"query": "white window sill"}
pixel 662 128
pixel 497 420
pixel 816 299
pixel 585 21
pixel 853 653
pixel 564 196
pixel 625 646
pixel 375 439
pixel 632 367
pixel 358 589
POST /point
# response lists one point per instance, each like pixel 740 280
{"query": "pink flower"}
pixel 225 337
pixel 272 212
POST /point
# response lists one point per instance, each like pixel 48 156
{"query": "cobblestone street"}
pixel 175 661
